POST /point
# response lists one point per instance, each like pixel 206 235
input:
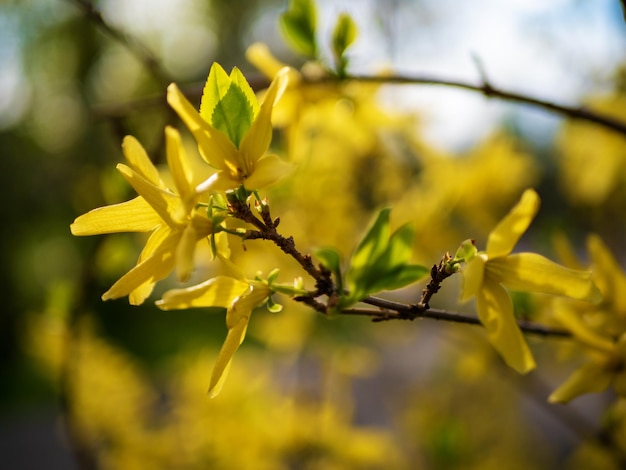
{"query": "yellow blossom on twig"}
pixel 172 217
pixel 229 105
pixel 488 271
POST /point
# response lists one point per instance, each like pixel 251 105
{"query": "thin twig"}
pixel 490 91
pixel 390 310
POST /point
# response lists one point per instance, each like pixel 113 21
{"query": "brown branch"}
pixel 389 310
pixel 490 91
pixel 486 88
pixel 266 230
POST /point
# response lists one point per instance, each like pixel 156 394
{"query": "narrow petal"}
pixel 473 273
pixel 244 304
pixel 570 319
pixel 495 311
pixel 220 291
pixel 235 337
pixel 267 170
pixel 505 236
pixel 139 160
pixel 530 272
pixel 185 251
pixel 257 140
pixel 178 163
pixel 135 215
pixel 165 204
pixel 259 55
pixel 219 181
pixel 607 272
pixel 214 146
pixel 145 274
pixel 590 378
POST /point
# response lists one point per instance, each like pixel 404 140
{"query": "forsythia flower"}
pixel 238 295
pixel 486 272
pixel 601 328
pixel 172 218
pixel 232 131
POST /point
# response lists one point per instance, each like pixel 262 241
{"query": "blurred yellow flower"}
pixel 486 272
pixel 239 154
pixel 172 217
pixel 601 328
pixel 238 295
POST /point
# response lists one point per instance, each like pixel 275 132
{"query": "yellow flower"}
pixel 238 295
pixel 171 216
pixel 486 272
pixel 601 328
pixel 239 159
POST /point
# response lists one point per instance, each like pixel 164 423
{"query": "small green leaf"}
pixel 273 306
pixel 400 246
pixel 228 103
pixel 396 278
pixel 233 114
pixel 374 243
pixel 216 86
pixel 344 34
pixel 466 251
pixel 298 25
pixel 381 262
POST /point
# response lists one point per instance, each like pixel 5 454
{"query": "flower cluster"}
pixel 233 132
pixel 486 272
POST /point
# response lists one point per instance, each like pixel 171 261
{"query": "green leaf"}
pixel 394 278
pixel 466 251
pixel 298 25
pixel 216 86
pixel 400 246
pixel 380 262
pixel 374 243
pixel 228 103
pixel 233 114
pixel 273 306
pixel 343 36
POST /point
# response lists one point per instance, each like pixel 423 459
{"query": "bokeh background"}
pixel 89 384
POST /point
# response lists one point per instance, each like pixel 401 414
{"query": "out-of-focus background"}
pixel 92 384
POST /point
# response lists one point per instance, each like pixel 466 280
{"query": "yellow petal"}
pixel 571 320
pixel 139 160
pixel 220 291
pixel 248 301
pixel 185 251
pixel 164 203
pixel 259 55
pixel 258 138
pixel 590 378
pixel 268 170
pixel 177 163
pixel 214 146
pixel 146 274
pixel 530 272
pixel 219 181
pixel 495 311
pixel 607 273
pixel 135 215
pixel 473 273
pixel 504 237
pixel 235 337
